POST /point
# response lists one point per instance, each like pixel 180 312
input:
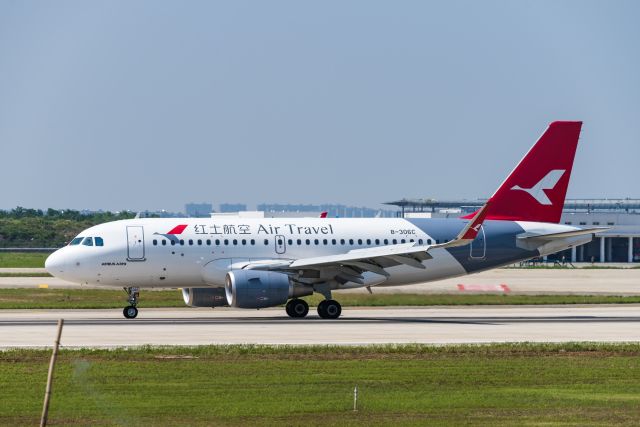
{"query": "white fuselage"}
pixel 142 253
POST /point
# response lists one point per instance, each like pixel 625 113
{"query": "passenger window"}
pixel 359 241
pixel 342 241
pixel 324 241
pixel 155 242
pixel 368 241
pixel 226 242
pixel 299 242
pixel 76 241
pixel 316 241
pixel 217 242
pixel 88 241
pixel 428 241
pixel 181 242
pixel 411 240
pixel 199 242
pixel 235 242
pixel 419 241
pixel 244 242
pixel 164 243
pixel 173 243
pixel 266 242
pixel 190 242
pixel 99 241
pixel 253 242
pixel 208 242
pixel 290 242
pixel 333 241
pixel 402 241
pixel 308 242
pixel 351 241
pixel 377 241
pixel 395 242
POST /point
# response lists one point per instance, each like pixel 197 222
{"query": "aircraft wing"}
pixel 351 264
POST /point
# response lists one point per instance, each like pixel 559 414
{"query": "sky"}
pixel 148 105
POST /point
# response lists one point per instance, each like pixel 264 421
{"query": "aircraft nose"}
pixel 56 263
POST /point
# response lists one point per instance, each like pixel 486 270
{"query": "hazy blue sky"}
pixel 148 105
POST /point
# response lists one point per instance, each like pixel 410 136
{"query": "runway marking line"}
pixel 43 286
pixel 484 288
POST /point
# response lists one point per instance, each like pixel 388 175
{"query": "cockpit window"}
pixel 76 241
pixel 88 241
pixel 99 241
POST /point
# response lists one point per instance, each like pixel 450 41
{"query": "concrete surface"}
pixel 107 328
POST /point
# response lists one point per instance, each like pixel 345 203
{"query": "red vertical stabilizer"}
pixel 535 190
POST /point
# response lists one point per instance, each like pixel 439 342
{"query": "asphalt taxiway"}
pixel 435 325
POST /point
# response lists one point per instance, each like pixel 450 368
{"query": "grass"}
pixel 2 274
pixel 22 259
pixel 520 384
pixel 32 298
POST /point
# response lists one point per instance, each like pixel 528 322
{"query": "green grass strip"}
pixel 25 274
pixel 503 384
pixel 22 259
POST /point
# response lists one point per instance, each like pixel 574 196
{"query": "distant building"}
pixel 232 207
pixel 198 210
pixel 620 243
pixel 333 211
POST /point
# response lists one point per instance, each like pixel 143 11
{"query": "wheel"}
pixel 130 312
pixel 297 308
pixel 333 309
pixel 329 309
pixel 288 309
pixel 322 309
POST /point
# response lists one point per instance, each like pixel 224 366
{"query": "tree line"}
pixel 51 228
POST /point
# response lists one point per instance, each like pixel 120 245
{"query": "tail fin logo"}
pixel 547 183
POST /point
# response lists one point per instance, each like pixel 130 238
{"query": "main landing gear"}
pixel 327 309
pixel 131 311
pixel 297 308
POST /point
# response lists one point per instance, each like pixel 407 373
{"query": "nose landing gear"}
pixel 131 311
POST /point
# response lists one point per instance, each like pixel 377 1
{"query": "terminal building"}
pixel 619 243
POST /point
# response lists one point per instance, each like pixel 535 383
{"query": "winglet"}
pixel 470 231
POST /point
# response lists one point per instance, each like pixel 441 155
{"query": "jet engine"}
pixel 259 289
pixel 204 297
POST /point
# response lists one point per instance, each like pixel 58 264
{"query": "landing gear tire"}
pixel 297 308
pixel 130 312
pixel 329 309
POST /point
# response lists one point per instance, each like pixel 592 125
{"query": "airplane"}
pixel 255 263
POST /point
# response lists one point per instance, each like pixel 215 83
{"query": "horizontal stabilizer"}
pixel 562 234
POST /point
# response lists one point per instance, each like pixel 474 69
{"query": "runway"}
pixel 442 325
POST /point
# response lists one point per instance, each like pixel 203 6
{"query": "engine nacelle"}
pixel 204 297
pixel 260 289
